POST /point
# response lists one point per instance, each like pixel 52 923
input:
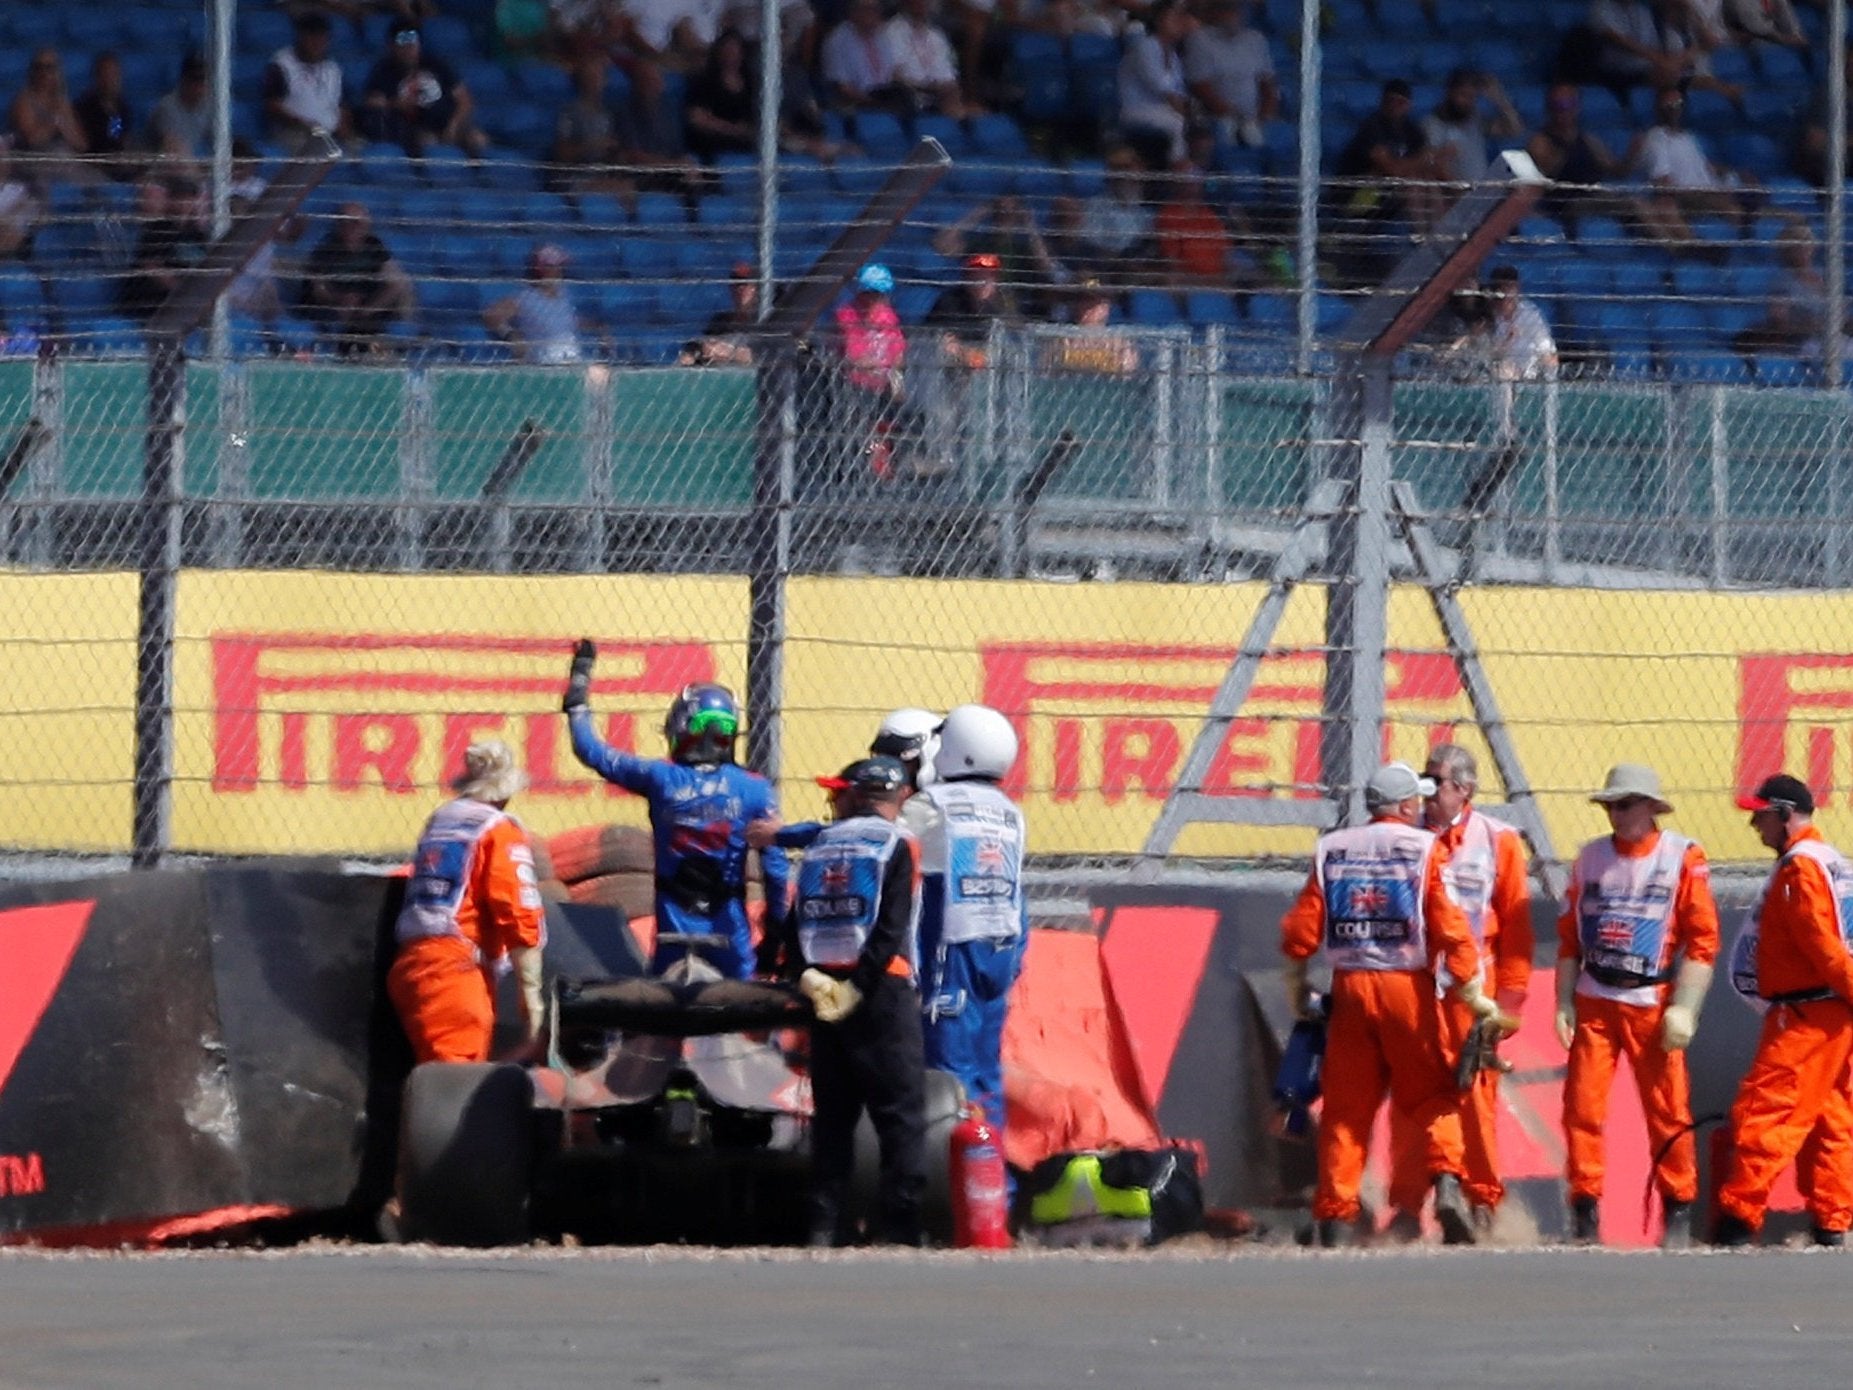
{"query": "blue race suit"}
pixel 698 819
pixel 974 924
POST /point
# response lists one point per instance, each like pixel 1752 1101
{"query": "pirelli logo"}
pixel 353 712
pixel 1793 712
pixel 1117 719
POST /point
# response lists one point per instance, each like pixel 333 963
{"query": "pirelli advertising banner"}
pixel 322 713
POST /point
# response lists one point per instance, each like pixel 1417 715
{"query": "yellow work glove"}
pixel 526 961
pixel 1567 971
pixel 1299 992
pixel 1681 1019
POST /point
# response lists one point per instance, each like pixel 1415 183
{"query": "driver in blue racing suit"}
pixel 700 803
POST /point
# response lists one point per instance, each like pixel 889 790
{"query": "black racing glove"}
pixel 579 682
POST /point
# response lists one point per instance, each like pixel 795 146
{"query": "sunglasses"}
pixel 1627 803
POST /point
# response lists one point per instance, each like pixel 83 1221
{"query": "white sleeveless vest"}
pixel 1372 878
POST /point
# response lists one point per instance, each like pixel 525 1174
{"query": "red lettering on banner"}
pixel 264 735
pixel 386 743
pixel 21 1175
pixel 1788 697
pixel 1141 753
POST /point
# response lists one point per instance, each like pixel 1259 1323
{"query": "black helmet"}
pixel 702 724
pixel 877 776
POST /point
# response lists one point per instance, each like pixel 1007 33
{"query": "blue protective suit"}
pixel 698 819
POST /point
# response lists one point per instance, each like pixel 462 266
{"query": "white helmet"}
pixel 975 741
pixel 912 735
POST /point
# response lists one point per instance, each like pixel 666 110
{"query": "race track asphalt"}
pixel 381 1318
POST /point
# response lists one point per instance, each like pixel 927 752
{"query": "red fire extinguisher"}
pixel 980 1188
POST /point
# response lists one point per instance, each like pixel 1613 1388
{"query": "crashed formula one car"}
pixel 671 1107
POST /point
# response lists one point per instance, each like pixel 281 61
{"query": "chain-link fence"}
pixel 1066 501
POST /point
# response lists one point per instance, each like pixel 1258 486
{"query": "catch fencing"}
pixel 384 556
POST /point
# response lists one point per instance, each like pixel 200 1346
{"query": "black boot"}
pixel 1732 1233
pixel 1829 1240
pixel 1337 1235
pixel 1585 1221
pixel 1451 1211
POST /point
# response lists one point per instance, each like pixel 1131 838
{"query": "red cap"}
pixel 983 260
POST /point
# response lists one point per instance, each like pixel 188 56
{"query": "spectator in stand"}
pixel 1109 236
pixel 1197 247
pixel 920 56
pixel 19 210
pixel 48 139
pixel 723 103
pixel 1004 229
pixel 104 116
pixel 585 145
pixel 1094 346
pixel 1811 149
pixel 1797 309
pixel 676 34
pixel 352 287
pixel 1230 71
pixel 796 21
pixel 1684 183
pixel 1573 159
pixel 1741 21
pixel 858 69
pixel 650 139
pixel 1649 43
pixel 1391 168
pixel 1457 130
pixel 1154 104
pixel 302 87
pixel 169 241
pixel 415 99
pixel 727 338
pixel 871 346
pixel 180 126
pixel 538 321
pixel 962 317
pixel 1520 346
pixel 255 292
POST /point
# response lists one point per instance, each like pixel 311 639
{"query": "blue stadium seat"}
pixel 738 174
pixel 726 215
pixel 20 294
pixel 978 179
pixel 1206 307
pixel 660 210
pixel 106 336
pixel 626 303
pixel 263 31
pixel 1335 311
pixel 1709 365
pixel 1094 50
pixel 998 136
pixel 944 129
pixel 1153 308
pixel 449 38
pixel 858 178
pixel 1783 371
pixel 880 134
pixel 1039 69
pixel 643 258
pixel 490 83
pixel 1700 280
pixel 1087 178
pixel 912 302
pixel 1782 67
pixel 1273 313
pixel 603 210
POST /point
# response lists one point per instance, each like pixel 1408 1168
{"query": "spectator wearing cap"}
pixel 1003 228
pixel 1377 908
pixel 1639 915
pixel 1230 71
pixel 1387 169
pixel 1154 102
pixel 871 347
pixel 352 286
pixel 1458 129
pixel 727 338
pixel 302 87
pixel 48 139
pixel 1792 1104
pixel 1683 182
pixel 1574 160
pixel 539 321
pixel 921 58
pixel 415 99
pixel 964 315
pixel 106 118
pixel 854 928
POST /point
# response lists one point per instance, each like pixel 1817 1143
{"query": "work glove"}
pixel 832 1000
pixel 1681 1019
pixel 1486 1008
pixel 579 681
pixel 1299 991
pixel 526 961
pixel 1567 971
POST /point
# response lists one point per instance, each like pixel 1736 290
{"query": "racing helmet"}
pixel 911 735
pixel 702 723
pixel 975 741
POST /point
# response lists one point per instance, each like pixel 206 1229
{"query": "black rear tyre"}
pixel 466 1154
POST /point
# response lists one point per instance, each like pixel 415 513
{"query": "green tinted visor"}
pixel 717 722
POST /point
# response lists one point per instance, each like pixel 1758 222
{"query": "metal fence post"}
pixel 152 828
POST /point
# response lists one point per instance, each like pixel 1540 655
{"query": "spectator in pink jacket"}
pixel 871 391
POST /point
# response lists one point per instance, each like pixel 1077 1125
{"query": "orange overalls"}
pixel 1632 909
pixel 1485 874
pixel 471 899
pixel 1375 904
pixel 1792 1104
